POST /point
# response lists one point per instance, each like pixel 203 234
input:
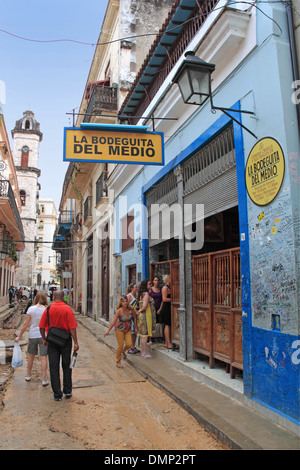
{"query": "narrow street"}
pixel 111 409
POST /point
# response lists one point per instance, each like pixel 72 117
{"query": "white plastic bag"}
pixel 17 359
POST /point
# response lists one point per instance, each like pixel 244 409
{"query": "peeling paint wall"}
pixel 143 19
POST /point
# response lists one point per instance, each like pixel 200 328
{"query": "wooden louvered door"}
pixel 217 309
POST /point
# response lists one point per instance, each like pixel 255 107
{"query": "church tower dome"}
pixel 28 125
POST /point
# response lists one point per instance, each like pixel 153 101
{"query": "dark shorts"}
pixel 34 344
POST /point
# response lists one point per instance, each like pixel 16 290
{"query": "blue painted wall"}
pixel 269 262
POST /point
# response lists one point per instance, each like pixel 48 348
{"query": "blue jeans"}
pixel 54 355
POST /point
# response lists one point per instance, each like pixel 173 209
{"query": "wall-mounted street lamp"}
pixel 194 80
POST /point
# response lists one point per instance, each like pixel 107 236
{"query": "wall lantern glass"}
pixel 194 80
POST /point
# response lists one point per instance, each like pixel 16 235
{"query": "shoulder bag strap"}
pixel 48 315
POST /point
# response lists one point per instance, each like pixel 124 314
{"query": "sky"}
pixel 47 78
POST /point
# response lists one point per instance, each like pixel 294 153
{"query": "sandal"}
pixel 119 366
pixel 133 351
pixel 147 356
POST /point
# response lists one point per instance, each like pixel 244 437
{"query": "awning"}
pixel 156 58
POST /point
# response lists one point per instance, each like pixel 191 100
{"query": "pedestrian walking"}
pixel 11 294
pixel 146 316
pixel 66 293
pixel 19 294
pixel 131 296
pixel 35 340
pixel 60 316
pixel 122 323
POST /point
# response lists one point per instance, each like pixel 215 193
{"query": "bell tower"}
pixel 26 142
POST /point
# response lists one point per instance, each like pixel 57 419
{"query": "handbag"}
pixel 56 335
pixel 159 331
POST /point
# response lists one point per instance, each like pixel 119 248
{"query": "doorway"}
pixel 217 308
pixel 89 295
pixel 105 275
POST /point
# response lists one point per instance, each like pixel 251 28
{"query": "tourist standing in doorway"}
pixel 146 316
pixel 157 297
pixel 166 311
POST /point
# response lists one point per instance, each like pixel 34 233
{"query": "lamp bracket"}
pixel 227 111
pixel 233 110
pixel 224 110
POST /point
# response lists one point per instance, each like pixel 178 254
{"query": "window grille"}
pixel 101 190
pixel 209 162
pixel 87 208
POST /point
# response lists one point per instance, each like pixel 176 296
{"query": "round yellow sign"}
pixel 264 171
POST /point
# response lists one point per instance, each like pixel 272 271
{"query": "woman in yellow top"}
pixel 146 316
pixel 122 322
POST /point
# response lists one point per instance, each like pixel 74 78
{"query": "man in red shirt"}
pixel 61 316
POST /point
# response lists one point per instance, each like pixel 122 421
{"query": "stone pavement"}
pixel 221 408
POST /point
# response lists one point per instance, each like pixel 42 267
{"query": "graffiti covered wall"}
pixel 275 347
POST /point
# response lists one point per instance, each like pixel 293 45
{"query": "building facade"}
pixel 126 33
pixel 26 142
pixel 232 250
pixel 11 228
pixel 45 257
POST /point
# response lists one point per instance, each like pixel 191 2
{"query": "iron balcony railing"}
pixel 87 208
pixel 102 98
pixel 101 187
pixel 65 217
pixel 66 253
pixel 6 191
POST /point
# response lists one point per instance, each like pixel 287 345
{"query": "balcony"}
pixel 102 98
pixel 9 208
pixel 63 245
pixel 63 228
pixel 87 212
pixel 177 32
pixel 7 245
pixel 78 223
pixel 65 218
pixel 101 190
